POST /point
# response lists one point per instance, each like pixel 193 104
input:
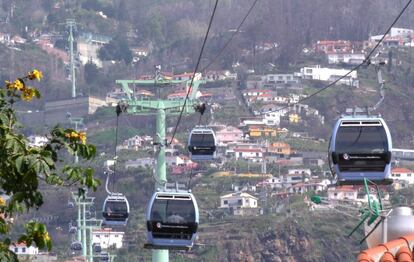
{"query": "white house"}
pixel 396 31
pixel 176 160
pixel 291 179
pixel 402 173
pixel 272 118
pixel 88 45
pixel 300 171
pixel 187 76
pixel 37 141
pixel 23 249
pixel 346 58
pixel 4 38
pixel 140 162
pixel 272 182
pixel 254 154
pixel 282 79
pixel 301 188
pixel 239 203
pixel 329 74
pixel 107 238
pixel 343 193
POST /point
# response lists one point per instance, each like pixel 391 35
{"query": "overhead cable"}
pixel 195 71
pixel 231 37
pixel 366 61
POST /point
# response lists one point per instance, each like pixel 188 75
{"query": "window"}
pixel 408 175
pixel 240 202
pixel 16 250
pixel 23 250
pixel 116 235
pixel 225 202
pixel 308 71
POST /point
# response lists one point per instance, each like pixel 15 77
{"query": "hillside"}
pixel 171 32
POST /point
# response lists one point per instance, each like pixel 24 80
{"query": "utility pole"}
pixel 160 108
pixel 72 25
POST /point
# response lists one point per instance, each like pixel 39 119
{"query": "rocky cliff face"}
pixel 301 239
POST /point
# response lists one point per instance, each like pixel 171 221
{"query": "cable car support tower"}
pixel 161 108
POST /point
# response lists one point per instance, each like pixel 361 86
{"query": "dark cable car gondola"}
pixel 360 147
pixel 202 144
pixel 104 257
pixel 172 220
pixel 115 210
pixel 76 246
pixel 97 248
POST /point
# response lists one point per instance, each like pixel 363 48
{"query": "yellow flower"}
pixel 82 137
pixel 18 85
pixel 28 94
pixel 72 134
pixel 46 236
pixel 2 202
pixel 35 74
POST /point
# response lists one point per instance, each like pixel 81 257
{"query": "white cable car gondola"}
pixel 202 144
pixel 73 230
pixel 172 220
pixel 115 210
pixel 360 147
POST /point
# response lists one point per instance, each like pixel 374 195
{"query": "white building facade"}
pixel 330 74
pixel 107 238
pixel 23 249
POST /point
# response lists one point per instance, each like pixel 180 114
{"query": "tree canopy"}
pixel 24 167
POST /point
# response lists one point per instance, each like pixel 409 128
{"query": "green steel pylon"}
pixel 72 24
pixel 81 202
pixel 161 108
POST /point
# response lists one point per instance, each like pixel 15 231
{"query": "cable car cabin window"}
pixel 361 148
pixel 115 207
pixel 361 139
pixel 173 211
pixel 202 140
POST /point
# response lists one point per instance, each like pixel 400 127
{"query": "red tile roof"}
pixel 257 150
pixel 343 189
pixel 401 170
pixel 395 250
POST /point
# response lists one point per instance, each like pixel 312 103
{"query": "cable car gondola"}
pixel 115 210
pixel 76 246
pixel 73 230
pixel 202 144
pixel 360 147
pixel 172 220
pixel 97 248
pixel 104 257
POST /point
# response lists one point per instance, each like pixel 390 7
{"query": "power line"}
pixel 231 37
pixel 195 71
pixel 366 61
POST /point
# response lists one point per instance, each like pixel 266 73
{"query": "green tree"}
pixel 23 168
pixel 116 49
pixel 91 73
